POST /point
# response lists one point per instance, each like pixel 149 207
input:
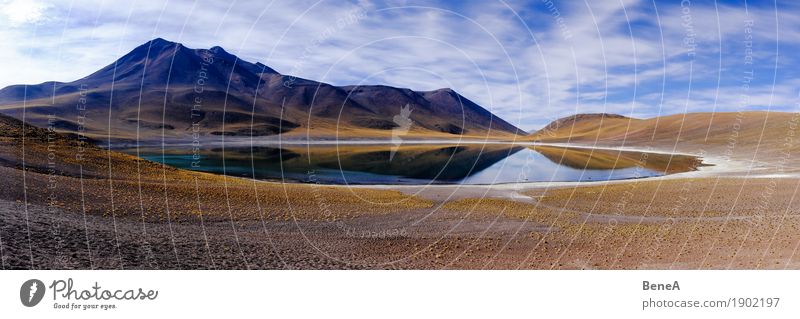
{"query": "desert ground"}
pixel 67 204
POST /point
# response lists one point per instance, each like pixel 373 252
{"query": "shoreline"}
pixel 200 220
pixel 714 167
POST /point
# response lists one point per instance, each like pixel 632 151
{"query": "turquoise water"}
pixel 468 165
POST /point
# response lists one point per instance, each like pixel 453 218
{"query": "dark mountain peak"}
pixel 444 93
pixel 150 49
pixel 160 62
pixel 161 42
pixel 448 90
pixel 156 45
pixel 161 76
pixel 220 52
pixel 376 88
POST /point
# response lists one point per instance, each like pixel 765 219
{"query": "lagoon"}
pixel 467 164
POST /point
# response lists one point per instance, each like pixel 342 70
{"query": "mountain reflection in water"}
pixel 423 164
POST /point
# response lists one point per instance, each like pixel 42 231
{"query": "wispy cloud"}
pixel 528 61
pixel 21 12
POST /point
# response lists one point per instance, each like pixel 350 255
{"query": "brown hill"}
pixel 730 134
pixel 572 119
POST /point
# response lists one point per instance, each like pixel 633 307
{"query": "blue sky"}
pixel 528 61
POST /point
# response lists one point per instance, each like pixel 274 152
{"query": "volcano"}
pixel 164 90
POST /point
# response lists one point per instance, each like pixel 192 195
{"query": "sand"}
pixel 113 211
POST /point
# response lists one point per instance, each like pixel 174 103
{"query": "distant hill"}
pixel 163 88
pixel 584 117
pixel 729 134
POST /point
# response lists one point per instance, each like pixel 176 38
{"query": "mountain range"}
pixel 164 90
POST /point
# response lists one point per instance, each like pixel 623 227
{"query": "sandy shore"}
pixel 114 211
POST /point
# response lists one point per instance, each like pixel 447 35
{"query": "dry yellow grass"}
pixel 731 134
pixel 693 223
pixel 483 207
pixel 695 197
pixel 121 184
pixel 272 225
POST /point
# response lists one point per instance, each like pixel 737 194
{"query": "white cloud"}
pixel 621 56
pixel 20 12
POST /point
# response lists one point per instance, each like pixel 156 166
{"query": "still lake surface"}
pixel 420 164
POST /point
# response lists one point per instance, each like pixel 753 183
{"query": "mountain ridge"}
pixel 165 89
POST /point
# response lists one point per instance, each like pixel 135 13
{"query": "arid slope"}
pixel 110 210
pixel 760 136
